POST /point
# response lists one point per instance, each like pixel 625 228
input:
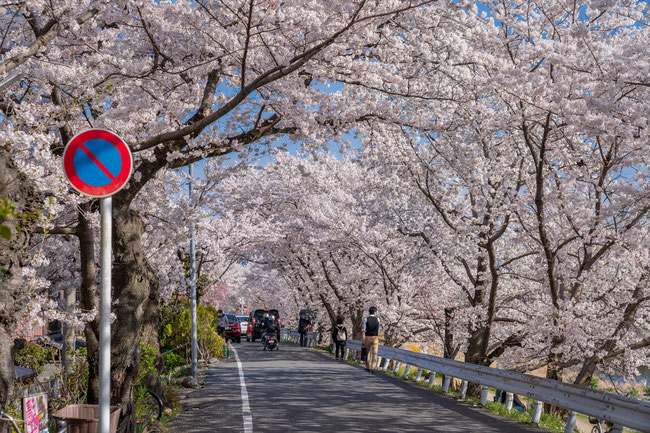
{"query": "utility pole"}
pixel 193 282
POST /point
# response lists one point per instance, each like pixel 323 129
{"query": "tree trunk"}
pixel 69 339
pixel 356 316
pixel 475 355
pixel 13 256
pixel 89 298
pixel 448 350
pixel 133 282
pixel 553 371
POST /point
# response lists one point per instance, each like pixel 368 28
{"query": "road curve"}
pixel 305 390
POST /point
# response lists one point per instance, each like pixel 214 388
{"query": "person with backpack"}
pixel 339 337
pixel 370 337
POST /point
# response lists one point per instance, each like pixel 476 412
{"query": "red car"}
pixel 233 330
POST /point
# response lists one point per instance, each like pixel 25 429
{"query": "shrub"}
pixel 172 361
pixel 176 334
pixel 35 356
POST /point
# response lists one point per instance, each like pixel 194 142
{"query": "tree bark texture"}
pixel 134 281
pixel 22 192
pixel 89 298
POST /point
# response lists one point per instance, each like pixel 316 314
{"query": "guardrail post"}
pixel 333 347
pixel 463 390
pixel 618 428
pixel 397 364
pixel 386 362
pixel 570 422
pixel 407 369
pixel 537 412
pixel 418 376
pixel 432 378
pixel 484 395
pixel 347 352
pixel 509 399
pixel 446 380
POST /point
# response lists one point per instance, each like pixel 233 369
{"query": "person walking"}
pixel 339 337
pixel 222 324
pixel 304 326
pixel 370 337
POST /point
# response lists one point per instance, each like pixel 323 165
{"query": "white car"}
pixel 243 321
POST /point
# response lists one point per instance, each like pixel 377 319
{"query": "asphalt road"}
pixel 305 390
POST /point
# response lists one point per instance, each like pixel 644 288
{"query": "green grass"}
pixel 548 422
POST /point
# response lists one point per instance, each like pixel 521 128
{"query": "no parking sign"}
pixel 97 163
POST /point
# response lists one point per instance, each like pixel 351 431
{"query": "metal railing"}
pixel 294 336
pixel 620 410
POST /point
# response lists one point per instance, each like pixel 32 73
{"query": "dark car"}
pixel 255 321
pixel 233 330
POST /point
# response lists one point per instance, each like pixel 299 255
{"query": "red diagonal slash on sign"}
pixel 117 181
pixel 98 162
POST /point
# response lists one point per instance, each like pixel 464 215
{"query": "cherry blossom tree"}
pixel 504 165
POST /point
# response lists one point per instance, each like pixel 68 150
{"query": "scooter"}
pixel 270 341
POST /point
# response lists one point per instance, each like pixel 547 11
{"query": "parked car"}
pixel 233 330
pixel 255 319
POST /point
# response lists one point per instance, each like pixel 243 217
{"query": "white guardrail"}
pixel 622 411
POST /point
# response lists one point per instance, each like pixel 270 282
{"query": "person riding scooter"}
pixel 270 327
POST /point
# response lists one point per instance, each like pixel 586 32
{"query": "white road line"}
pixel 245 406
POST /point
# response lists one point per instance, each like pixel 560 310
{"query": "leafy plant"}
pixel 35 356
pixel 175 335
pixel 172 361
pixel 145 407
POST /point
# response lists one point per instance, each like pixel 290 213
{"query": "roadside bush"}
pixel 175 335
pixel 35 356
pixel 172 361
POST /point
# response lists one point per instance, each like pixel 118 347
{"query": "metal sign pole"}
pixel 193 284
pixel 106 206
pixel 98 164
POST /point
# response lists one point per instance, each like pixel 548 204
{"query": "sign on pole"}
pixel 98 164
